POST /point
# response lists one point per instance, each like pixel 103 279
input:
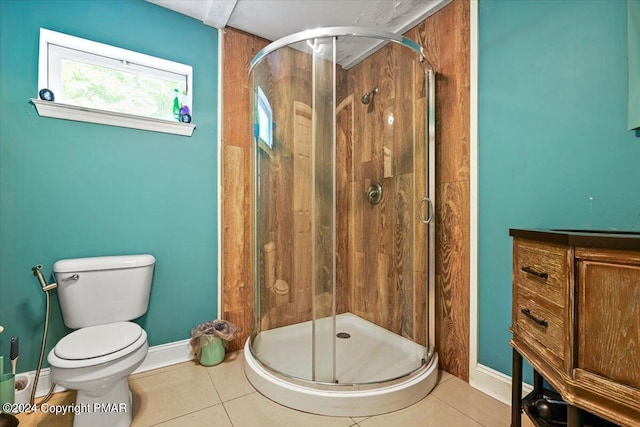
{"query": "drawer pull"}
pixel 539 274
pixel 540 322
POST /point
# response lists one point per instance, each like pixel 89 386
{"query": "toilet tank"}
pixel 100 290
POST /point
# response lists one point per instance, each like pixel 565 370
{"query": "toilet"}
pixel 99 297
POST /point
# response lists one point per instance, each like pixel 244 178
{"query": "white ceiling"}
pixel 273 19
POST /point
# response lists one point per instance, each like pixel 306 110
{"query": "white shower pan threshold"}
pixel 371 368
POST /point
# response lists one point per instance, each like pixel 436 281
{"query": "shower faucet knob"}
pixel 374 193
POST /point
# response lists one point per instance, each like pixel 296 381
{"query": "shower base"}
pixel 372 367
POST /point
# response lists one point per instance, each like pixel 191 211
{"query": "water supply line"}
pixel 37 271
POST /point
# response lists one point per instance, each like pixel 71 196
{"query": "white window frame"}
pixel 55 46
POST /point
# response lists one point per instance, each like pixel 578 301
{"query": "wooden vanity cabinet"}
pixel 576 319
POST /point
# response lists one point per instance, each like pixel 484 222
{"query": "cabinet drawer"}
pixel 539 323
pixel 541 268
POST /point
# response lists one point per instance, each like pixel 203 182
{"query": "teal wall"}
pixel 71 189
pixel 554 149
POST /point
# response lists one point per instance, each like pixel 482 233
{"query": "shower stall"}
pixel 342 229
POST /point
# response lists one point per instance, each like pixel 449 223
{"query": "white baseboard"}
pixel 494 383
pixel 158 356
pixel 168 354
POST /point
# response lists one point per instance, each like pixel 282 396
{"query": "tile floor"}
pixel 191 395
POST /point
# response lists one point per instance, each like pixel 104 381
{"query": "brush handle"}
pixel 13 353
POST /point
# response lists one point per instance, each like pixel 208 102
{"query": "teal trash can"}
pixel 211 350
pixel 207 341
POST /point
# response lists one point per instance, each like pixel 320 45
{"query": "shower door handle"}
pixel 429 217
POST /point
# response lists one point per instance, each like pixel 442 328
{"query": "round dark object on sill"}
pixel 185 118
pixel 46 95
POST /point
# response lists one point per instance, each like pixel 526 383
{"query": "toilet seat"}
pixel 97 344
pixel 96 341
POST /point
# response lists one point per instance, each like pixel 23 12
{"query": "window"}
pixel 98 77
pixel 264 120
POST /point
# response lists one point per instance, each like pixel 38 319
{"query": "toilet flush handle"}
pixel 72 278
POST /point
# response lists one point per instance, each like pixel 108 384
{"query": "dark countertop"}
pixel 611 239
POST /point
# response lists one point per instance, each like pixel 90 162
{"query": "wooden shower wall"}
pixel 237 149
pixel 445 37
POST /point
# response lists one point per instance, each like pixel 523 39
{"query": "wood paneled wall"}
pixel 236 163
pixel 445 37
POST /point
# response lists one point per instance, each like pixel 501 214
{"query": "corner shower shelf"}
pixel 58 110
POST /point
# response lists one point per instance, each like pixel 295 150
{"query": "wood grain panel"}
pixel 403 116
pixel 404 225
pixel 237 283
pixel 237 317
pixel 344 178
pixel 452 278
pixel 609 340
pixel 445 39
pixel 239 49
pixel 236 294
pixel 301 184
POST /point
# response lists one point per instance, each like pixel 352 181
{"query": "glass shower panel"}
pixel 295 202
pixel 323 208
pixel 387 253
pixel 283 219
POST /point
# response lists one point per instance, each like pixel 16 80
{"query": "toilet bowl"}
pixel 96 362
pixel 98 298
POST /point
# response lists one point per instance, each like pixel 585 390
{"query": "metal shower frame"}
pixel 429 199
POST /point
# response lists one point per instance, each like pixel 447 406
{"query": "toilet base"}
pixel 112 409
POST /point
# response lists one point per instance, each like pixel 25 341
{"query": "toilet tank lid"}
pixel 102 263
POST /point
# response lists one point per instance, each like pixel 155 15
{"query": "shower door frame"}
pixel 428 220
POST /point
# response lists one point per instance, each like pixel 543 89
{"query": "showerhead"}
pixel 367 97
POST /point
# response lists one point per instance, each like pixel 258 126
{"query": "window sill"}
pixel 83 114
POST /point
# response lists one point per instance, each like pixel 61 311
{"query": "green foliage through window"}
pixel 105 88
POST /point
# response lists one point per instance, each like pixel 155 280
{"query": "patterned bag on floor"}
pixel 210 331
